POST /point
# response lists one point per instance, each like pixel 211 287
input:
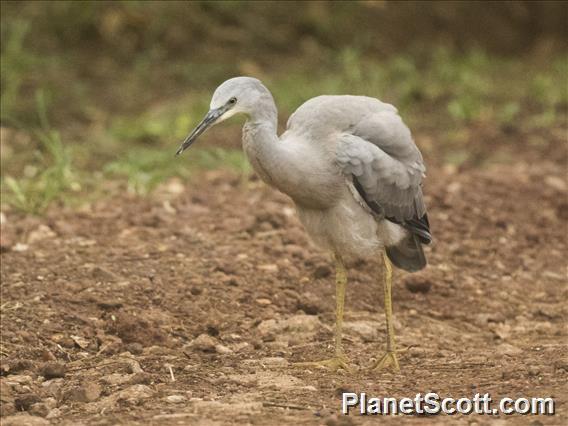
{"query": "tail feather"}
pixel 408 254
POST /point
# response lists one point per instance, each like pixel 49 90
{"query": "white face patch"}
pixel 227 114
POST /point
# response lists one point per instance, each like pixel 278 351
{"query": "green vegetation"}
pixel 122 91
pixel 48 177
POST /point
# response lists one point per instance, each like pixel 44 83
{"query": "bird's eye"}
pixel 233 101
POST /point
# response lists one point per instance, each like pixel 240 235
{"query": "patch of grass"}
pixel 145 168
pixel 40 185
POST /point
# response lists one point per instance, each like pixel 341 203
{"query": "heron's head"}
pixel 234 96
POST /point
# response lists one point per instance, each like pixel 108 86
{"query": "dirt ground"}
pixel 189 307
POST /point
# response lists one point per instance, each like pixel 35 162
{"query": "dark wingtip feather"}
pixel 408 254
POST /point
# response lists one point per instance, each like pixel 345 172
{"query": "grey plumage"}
pixel 348 162
pixel 354 173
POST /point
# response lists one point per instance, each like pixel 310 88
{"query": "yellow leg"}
pixel 389 358
pixel 339 360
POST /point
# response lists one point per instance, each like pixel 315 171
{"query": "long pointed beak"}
pixel 207 122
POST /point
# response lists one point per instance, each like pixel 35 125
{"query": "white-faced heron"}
pixel 351 167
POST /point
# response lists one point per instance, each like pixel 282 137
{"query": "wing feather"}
pixel 378 153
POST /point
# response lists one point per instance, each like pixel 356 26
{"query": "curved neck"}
pixel 261 146
pixel 265 113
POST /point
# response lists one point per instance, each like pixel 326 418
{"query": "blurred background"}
pixel 96 96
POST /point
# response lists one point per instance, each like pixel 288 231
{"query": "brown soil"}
pixel 215 285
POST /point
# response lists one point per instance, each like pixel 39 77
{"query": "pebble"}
pixel 19 379
pixel 87 392
pixel 274 362
pixel 53 413
pixel 417 284
pixel 175 399
pixel 310 304
pixel 53 386
pixel 203 343
pixel 507 349
pixel 222 349
pixel 116 379
pixel 299 323
pixel 42 232
pixel 53 370
pixel 323 270
pixel 268 268
pixel 19 247
pixel 104 275
pixel 39 409
pixel 366 330
pixel 132 395
pixel 140 378
pixel 21 365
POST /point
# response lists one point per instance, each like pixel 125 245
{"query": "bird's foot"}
pixel 389 359
pixel 332 364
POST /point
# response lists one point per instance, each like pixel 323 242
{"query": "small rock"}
pixel 21 365
pixel 140 379
pixel 20 379
pixel 63 340
pixel 507 349
pixel 533 371
pixel 297 323
pixel 87 392
pixel 132 395
pixel 223 350
pixel 53 370
pixel 116 379
pixel 302 323
pixel 42 232
pixel 417 352
pixel 323 270
pixel 310 304
pixel 39 409
pixel 19 247
pixel 204 343
pixel 274 362
pixel 135 348
pixel 268 268
pixel 53 387
pixel 133 366
pixel 53 413
pixel 47 355
pixel 25 401
pixel 175 399
pixel 366 330
pixel 417 284
pixel 237 347
pixel 101 274
pixel 556 182
pixel 264 302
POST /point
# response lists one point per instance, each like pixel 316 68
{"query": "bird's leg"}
pixel 339 360
pixel 389 358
